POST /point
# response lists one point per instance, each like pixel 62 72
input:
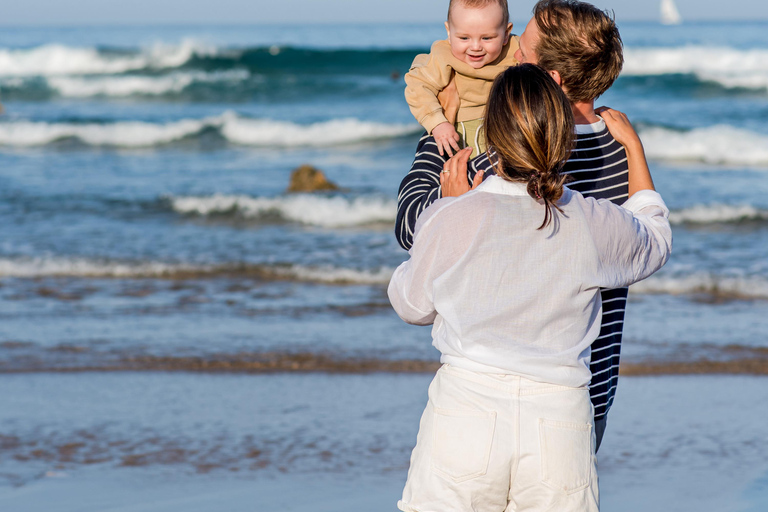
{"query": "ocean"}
pixel 167 308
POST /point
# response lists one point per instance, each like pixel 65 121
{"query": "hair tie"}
pixel 537 175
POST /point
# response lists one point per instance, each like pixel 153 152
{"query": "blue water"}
pixel 143 174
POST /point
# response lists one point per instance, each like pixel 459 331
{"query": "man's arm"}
pixel 449 100
pixel 419 189
pixel 421 186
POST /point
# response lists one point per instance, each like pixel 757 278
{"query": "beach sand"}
pixel 151 442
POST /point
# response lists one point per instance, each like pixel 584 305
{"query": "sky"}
pixel 98 12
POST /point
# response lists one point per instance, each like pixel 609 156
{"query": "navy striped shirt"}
pixel 598 168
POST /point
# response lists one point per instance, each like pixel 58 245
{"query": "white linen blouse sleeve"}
pixel 410 289
pixel 633 240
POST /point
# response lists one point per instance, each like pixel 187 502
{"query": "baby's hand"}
pixel 446 137
pixel 620 127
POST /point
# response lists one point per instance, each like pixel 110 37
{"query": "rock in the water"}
pixel 309 179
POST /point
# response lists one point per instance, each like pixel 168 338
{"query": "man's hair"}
pixel 479 4
pixel 582 43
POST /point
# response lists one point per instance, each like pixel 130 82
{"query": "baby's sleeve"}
pixel 429 74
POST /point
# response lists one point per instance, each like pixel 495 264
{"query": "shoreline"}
pixel 753 362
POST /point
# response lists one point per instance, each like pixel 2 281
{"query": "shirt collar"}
pixel 498 185
pixel 586 129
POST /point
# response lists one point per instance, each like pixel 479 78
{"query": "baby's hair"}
pixel 479 4
pixel 529 132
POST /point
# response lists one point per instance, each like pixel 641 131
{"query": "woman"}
pixel 510 276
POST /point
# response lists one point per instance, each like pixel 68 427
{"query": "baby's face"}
pixel 477 36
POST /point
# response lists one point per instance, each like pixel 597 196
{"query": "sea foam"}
pixel 236 129
pixel 727 66
pixel 134 85
pixel 261 132
pixel 699 283
pixel 335 275
pixel 717 213
pixel 302 208
pixel 702 283
pixel 53 266
pixel 718 144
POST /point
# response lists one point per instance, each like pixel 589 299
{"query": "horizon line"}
pixel 95 24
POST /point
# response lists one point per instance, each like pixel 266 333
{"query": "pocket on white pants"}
pixel 566 455
pixel 461 443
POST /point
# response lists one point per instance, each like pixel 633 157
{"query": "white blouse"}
pixel 505 297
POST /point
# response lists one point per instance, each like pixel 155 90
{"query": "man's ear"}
pixel 448 30
pixel 506 34
pixel 556 77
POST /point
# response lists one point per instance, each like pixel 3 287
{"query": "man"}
pixel 580 46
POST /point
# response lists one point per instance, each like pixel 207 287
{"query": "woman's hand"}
pixel 453 178
pixel 446 137
pixel 621 130
pixel 620 127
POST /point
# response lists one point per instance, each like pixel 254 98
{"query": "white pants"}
pixel 495 443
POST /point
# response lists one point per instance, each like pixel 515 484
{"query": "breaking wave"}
pixel 59 60
pixel 729 67
pixel 701 283
pixel 719 144
pixel 302 208
pixel 232 127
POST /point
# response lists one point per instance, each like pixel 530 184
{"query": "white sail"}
pixel 669 13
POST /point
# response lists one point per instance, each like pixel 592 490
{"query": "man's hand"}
pixel 449 100
pixel 446 137
pixel 453 178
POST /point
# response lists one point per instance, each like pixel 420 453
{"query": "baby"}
pixel 478 48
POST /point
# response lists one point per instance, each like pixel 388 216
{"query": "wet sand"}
pixel 309 442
